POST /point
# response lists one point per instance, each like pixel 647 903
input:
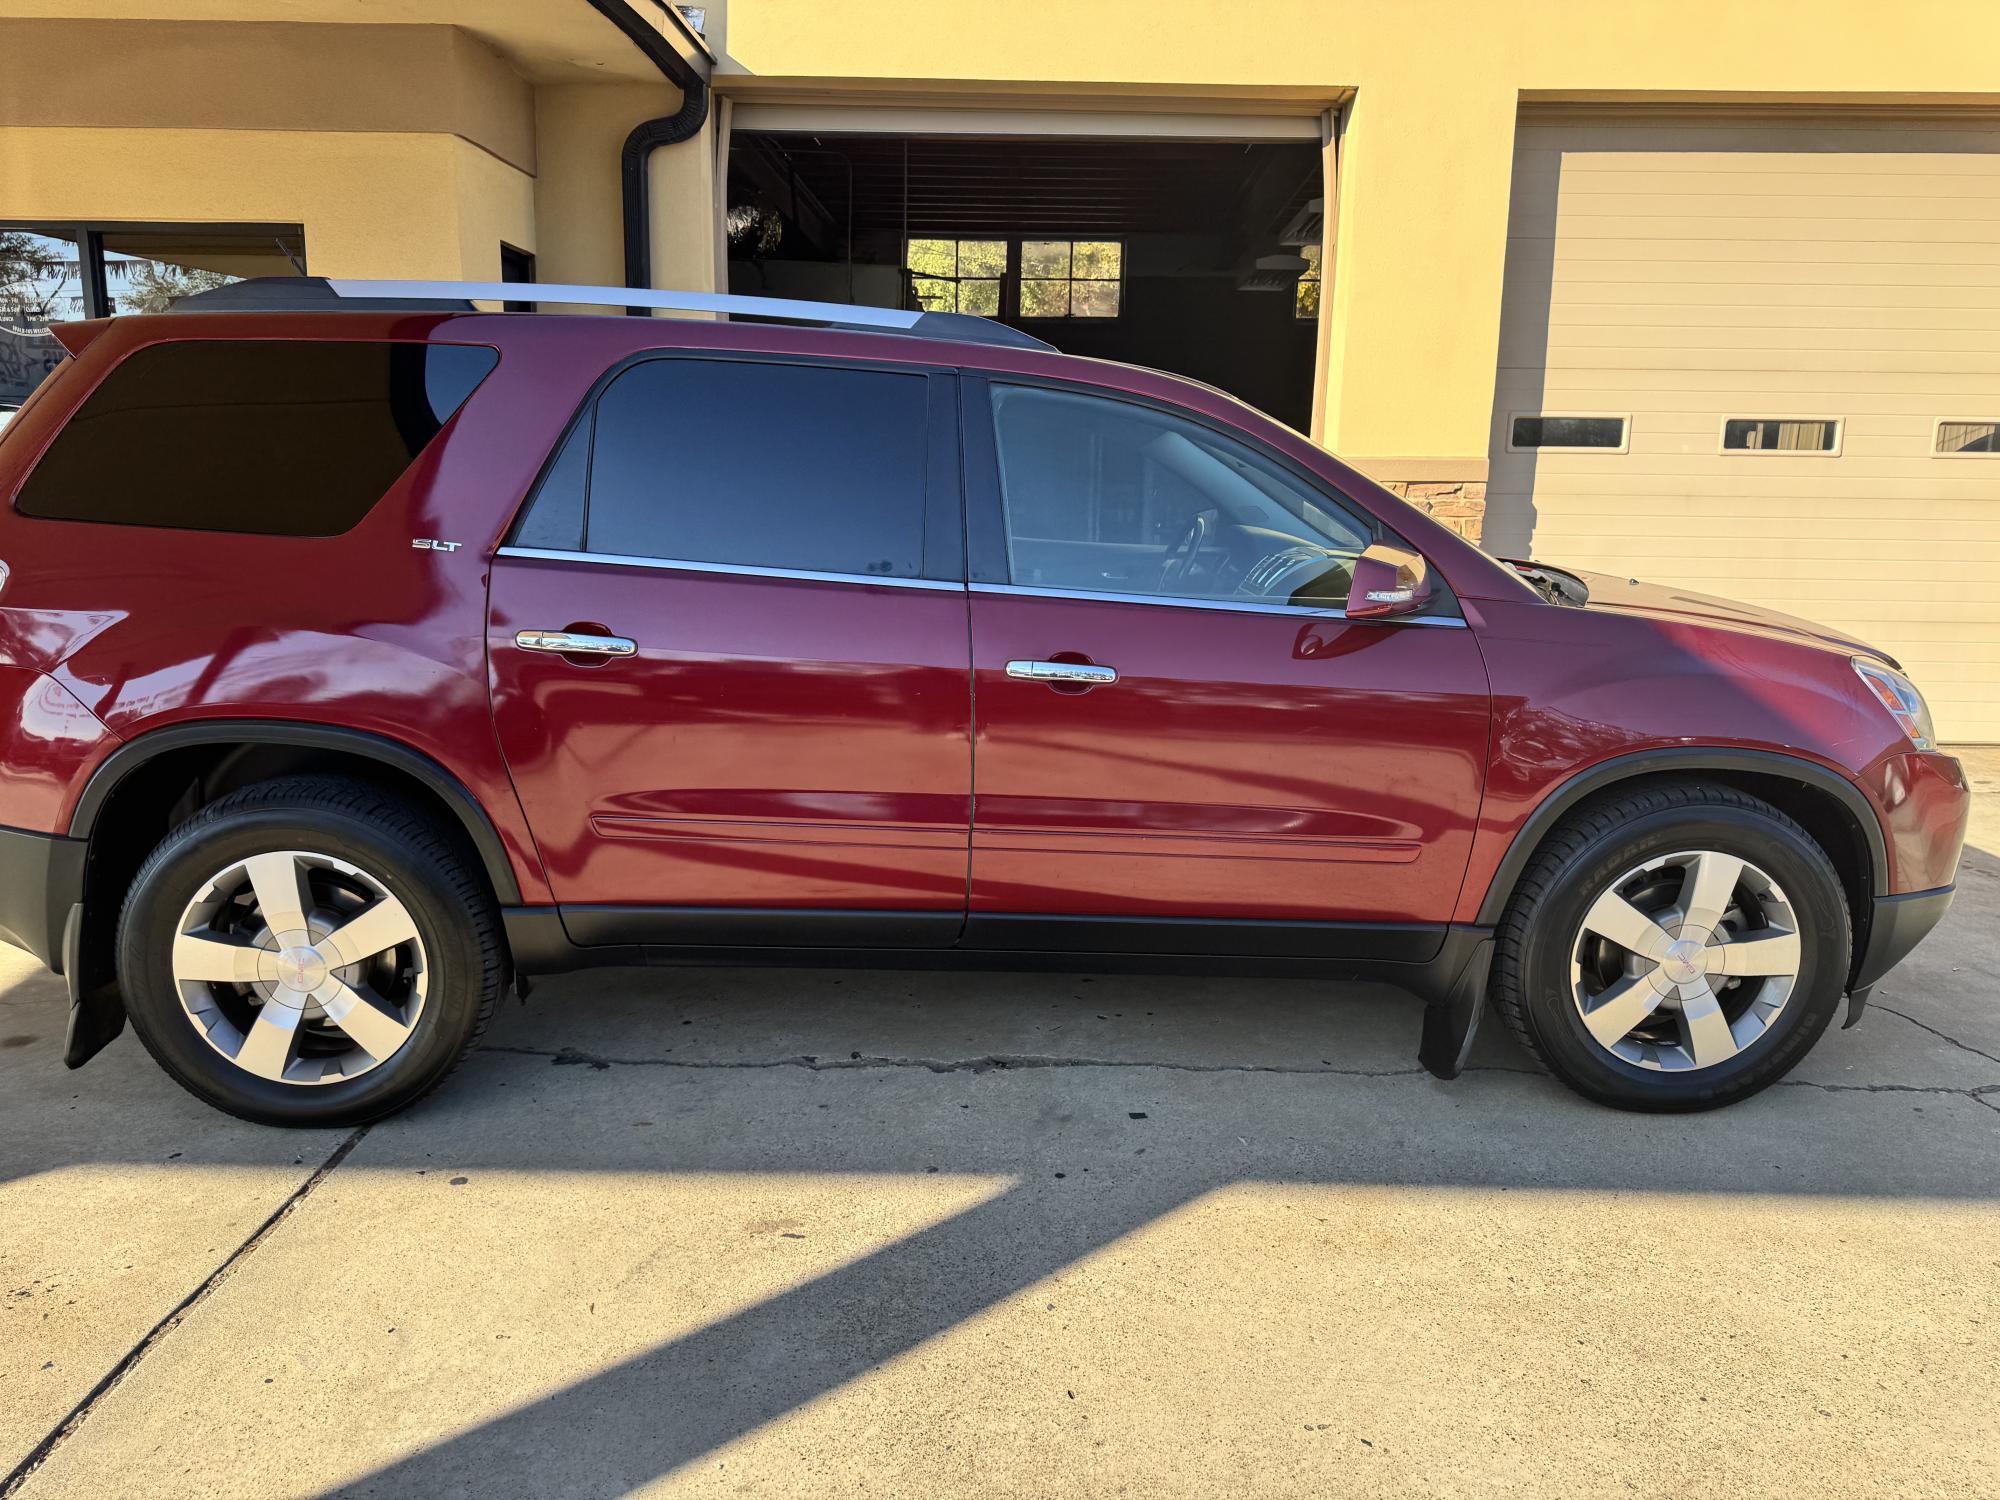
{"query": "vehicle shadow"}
pixel 1092 1107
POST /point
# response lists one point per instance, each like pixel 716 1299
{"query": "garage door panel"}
pixel 1680 272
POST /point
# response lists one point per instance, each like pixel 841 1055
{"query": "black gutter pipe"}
pixel 648 137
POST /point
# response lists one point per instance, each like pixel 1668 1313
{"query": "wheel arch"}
pixel 231 750
pixel 1829 806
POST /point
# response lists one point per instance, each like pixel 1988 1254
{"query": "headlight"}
pixel 1900 696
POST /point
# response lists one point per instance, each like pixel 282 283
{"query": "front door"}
pixel 1180 739
pixel 729 658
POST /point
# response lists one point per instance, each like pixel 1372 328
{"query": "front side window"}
pixel 804 467
pixel 267 437
pixel 1104 496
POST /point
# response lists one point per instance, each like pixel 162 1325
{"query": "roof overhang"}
pixel 548 41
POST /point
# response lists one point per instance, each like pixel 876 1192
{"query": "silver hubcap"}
pixel 300 967
pixel 1685 961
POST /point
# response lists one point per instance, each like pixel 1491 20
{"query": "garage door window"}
pixel 1794 435
pixel 1531 433
pixel 1962 439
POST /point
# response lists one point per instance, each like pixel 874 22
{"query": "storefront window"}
pixel 40 283
pixel 58 273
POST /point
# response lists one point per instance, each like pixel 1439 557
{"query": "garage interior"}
pixel 1195 256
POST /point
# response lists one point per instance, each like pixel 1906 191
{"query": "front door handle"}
pixel 1088 674
pixel 574 643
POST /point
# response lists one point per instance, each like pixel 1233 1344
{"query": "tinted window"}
pixel 554 518
pixel 762 465
pixel 276 438
pixel 1569 432
pixel 1108 497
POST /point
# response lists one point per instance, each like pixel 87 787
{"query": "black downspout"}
pixel 647 138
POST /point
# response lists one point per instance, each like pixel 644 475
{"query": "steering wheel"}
pixel 1180 557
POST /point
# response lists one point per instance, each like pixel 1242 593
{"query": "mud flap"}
pixel 1857 1002
pixel 96 1016
pixel 1451 1023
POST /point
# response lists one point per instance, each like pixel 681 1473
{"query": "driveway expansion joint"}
pixel 1940 1035
pixel 78 1414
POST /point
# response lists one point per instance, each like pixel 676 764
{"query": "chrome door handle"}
pixel 570 643
pixel 1061 671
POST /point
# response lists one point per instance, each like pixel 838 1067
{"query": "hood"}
pixel 1657 601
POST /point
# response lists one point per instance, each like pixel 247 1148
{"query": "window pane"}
pixel 1968 437
pixel 148 270
pixel 41 282
pixel 1097 260
pixel 1569 432
pixel 279 439
pixel 554 517
pixel 763 465
pixel 1107 497
pixel 1093 299
pixel 1045 258
pixel 1045 299
pixel 982 257
pixel 934 257
pixel 1771 435
pixel 934 295
pixel 982 297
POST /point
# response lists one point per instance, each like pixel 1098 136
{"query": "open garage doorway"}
pixel 1196 256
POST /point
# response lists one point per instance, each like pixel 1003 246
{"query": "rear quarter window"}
pixel 267 437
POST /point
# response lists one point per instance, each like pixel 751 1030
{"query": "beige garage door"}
pixel 1832 290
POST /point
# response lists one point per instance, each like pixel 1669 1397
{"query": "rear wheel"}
pixel 1676 948
pixel 309 951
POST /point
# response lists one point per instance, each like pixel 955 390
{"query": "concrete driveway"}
pixel 882 1234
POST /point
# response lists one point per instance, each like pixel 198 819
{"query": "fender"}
pixel 1684 760
pixel 136 752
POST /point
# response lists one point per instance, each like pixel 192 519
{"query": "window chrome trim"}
pixel 1450 622
pixel 684 565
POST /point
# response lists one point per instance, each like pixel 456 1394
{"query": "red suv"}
pixel 359 653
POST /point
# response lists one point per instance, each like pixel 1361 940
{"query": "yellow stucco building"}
pixel 1704 289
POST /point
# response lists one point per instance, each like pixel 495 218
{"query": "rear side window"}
pixel 803 467
pixel 267 437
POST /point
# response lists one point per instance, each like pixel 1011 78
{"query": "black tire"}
pixel 422 864
pixel 1532 982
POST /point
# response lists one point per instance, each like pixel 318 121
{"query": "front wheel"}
pixel 311 951
pixel 1675 948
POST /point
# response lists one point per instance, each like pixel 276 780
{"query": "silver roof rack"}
pixel 317 293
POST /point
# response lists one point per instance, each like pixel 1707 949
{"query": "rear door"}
pixel 729 657
pixel 1181 740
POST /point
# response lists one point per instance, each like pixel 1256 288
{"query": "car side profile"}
pixel 362 653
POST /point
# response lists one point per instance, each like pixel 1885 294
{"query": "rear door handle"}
pixel 574 643
pixel 1089 673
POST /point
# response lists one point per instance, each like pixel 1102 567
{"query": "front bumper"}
pixel 1899 923
pixel 41 878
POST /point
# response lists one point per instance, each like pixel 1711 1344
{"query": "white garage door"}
pixel 1797 328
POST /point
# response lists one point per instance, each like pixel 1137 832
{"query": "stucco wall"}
pixel 1426 161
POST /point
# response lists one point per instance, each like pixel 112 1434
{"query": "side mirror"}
pixel 1388 582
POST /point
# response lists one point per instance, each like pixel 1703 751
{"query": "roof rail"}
pixel 320 293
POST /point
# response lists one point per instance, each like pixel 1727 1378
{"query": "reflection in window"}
pixel 1305 299
pixel 957 275
pixel 1968 437
pixel 1779 435
pixel 149 270
pixel 41 282
pixel 1071 278
pixel 1604 433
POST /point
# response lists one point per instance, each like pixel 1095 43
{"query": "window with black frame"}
pixel 62 272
